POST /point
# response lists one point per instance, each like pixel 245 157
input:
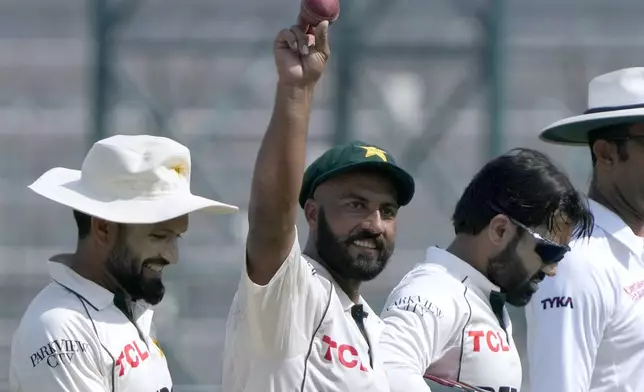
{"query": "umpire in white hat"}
pixel 586 325
pixel 90 329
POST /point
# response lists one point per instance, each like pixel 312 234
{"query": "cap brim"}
pixel 574 130
pixel 63 186
pixel 404 182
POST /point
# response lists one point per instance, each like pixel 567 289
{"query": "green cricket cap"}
pixel 355 156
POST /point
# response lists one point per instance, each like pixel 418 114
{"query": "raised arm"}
pixel 300 59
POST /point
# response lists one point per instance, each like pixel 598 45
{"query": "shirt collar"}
pixel 462 271
pixel 347 303
pixel 97 296
pixel 615 226
pixel 373 323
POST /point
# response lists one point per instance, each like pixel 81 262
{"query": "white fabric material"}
pixel 438 321
pixel 129 179
pixel 621 88
pixel 270 329
pixel 586 325
pixel 583 118
pixel 618 88
pixel 57 349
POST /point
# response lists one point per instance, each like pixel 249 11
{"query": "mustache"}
pixel 366 235
pixel 533 283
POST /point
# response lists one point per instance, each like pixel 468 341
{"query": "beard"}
pixel 507 271
pixel 127 268
pixel 334 252
pixel 522 295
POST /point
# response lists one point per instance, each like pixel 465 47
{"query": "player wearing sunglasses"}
pixel 446 319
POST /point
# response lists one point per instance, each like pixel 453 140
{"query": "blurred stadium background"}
pixel 443 84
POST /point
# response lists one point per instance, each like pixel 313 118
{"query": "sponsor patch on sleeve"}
pixel 635 290
pixel 418 305
pixel 59 352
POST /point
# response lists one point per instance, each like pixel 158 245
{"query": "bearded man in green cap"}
pixel 298 322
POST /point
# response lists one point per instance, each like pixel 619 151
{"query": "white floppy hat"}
pixel 129 179
pixel 613 98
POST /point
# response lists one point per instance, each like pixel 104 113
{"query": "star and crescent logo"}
pixel 374 151
pixel 180 169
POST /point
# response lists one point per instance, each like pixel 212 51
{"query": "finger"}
pixel 321 38
pixel 286 38
pixel 310 40
pixel 303 24
pixel 302 40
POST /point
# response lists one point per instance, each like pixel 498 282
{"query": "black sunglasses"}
pixel 549 251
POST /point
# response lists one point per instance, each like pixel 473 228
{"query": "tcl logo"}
pixel 346 354
pixel 133 357
pixel 493 339
pixel 557 302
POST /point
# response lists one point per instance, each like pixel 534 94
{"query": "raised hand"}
pixel 301 57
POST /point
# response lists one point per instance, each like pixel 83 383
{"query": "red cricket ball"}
pixel 315 11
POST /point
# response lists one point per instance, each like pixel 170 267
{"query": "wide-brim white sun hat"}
pixel 613 98
pixel 127 179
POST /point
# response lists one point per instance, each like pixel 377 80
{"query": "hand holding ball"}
pixel 313 12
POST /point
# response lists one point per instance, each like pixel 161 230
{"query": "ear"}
pixel 500 230
pixel 606 152
pixel 104 232
pixel 311 209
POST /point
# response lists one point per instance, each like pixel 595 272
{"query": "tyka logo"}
pixel 58 352
pixel 557 302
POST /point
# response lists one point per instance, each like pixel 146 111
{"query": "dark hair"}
pixel 84 224
pixel 615 133
pixel 527 186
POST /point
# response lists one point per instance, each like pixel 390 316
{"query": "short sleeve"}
pixel 566 319
pixel 282 314
pixel 421 323
pixel 56 352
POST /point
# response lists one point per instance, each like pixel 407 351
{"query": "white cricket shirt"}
pixel 586 325
pixel 439 321
pixel 73 338
pixel 297 333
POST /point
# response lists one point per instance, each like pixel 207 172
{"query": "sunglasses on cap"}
pixel 549 251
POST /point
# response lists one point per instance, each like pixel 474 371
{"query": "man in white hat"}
pixel 586 325
pixel 90 329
